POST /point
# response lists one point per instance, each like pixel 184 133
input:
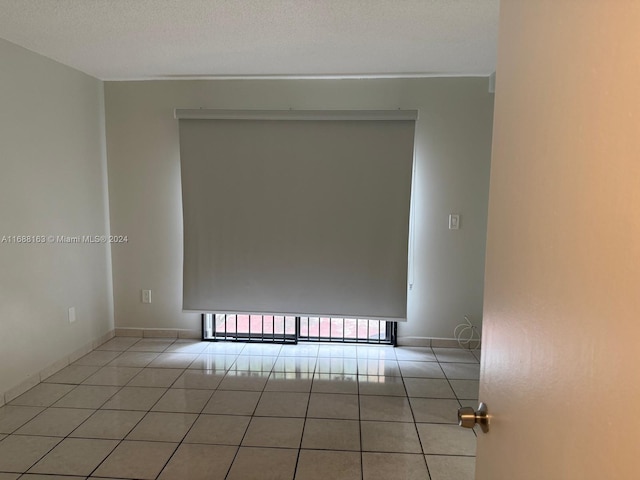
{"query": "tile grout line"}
pixel 306 414
pixel 312 376
pixel 188 430
pixel 250 417
pixel 455 393
pixel 167 389
pixel 415 422
pixel 119 442
pixel 360 419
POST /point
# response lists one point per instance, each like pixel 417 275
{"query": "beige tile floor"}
pixel 158 408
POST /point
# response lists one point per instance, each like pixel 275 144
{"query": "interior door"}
pixel 561 347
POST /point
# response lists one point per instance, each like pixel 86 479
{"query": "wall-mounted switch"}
pixel 454 221
pixel 146 296
pixel 72 314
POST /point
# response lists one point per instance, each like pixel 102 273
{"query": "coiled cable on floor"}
pixel 467 334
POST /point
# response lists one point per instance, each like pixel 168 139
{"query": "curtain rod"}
pixel 367 115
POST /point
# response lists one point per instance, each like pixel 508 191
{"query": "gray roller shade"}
pixel 297 213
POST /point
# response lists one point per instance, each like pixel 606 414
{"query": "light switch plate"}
pixel 146 296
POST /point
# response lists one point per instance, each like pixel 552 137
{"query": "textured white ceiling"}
pixel 138 39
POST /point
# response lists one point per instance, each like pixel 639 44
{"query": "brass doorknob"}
pixel 468 418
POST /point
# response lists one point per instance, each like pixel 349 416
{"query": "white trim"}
pixel 298 115
pixel 330 76
pixel 296 314
pixel 157 332
pixel 492 83
pixel 406 341
pixel 35 378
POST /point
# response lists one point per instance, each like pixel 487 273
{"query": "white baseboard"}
pixel 197 334
pixel 34 379
pixel 177 333
pixel 430 342
pixel 158 333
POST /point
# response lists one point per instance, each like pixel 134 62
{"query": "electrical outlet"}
pixel 146 296
pixel 72 314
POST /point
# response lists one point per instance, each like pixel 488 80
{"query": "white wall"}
pixel 453 153
pixel 52 182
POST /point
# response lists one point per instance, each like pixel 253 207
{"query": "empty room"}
pixel 299 240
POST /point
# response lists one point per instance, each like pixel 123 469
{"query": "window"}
pixel 287 329
pixel 289 213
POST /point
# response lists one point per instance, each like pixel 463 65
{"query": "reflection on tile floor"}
pixel 179 409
